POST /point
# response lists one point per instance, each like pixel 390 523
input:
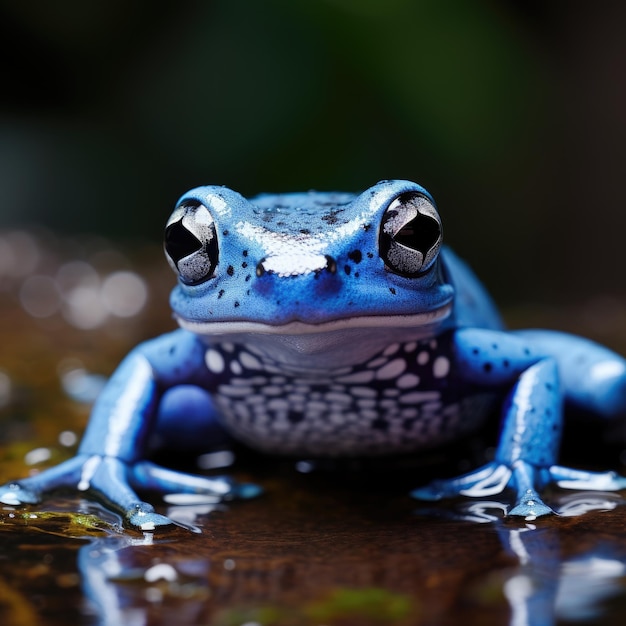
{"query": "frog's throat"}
pixel 416 320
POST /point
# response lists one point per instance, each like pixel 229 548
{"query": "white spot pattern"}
pixel 214 361
pixel 441 367
pixel 390 370
pixel 407 381
pixel 399 401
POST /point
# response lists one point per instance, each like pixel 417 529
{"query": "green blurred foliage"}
pixel 114 109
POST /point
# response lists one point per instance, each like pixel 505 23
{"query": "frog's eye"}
pixel 410 235
pixel 191 243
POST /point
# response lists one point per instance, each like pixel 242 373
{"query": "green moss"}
pixel 372 604
pixel 65 524
pixel 369 606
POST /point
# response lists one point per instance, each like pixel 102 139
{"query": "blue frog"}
pixel 332 324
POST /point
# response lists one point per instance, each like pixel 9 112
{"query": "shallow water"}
pixel 319 547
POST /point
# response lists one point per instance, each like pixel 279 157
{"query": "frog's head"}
pixel 307 263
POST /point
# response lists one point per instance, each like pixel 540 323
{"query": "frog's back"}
pixel 473 306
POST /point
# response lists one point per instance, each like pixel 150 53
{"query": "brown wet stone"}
pixel 294 555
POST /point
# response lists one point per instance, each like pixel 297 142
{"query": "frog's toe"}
pixel 30 490
pixel 492 479
pixel 526 479
pixel 569 478
pixel 15 494
pixel 529 506
pixel 488 480
pixel 147 475
pixel 142 517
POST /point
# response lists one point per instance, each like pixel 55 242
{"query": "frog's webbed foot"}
pixel 103 476
pixel 492 479
pixel 569 478
pixel 30 490
pixel 114 482
pixel 15 494
pixel 149 476
pixel 525 479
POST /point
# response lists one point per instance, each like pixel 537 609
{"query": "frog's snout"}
pixel 297 264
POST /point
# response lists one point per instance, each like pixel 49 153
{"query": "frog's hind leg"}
pixel 152 477
pixel 187 422
pixel 592 377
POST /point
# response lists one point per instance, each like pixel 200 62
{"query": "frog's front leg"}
pixel 527 450
pixel 110 461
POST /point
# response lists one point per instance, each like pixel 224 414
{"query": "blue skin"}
pixel 319 324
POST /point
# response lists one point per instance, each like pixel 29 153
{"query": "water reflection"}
pixel 124 587
pixel 545 586
pixel 570 504
pixel 466 560
pixel 126 577
pixel 586 582
pixel 100 564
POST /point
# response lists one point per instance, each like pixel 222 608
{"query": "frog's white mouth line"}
pixel 303 328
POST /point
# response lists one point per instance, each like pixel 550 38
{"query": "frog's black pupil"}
pixel 421 233
pixel 179 242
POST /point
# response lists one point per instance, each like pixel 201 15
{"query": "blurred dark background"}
pixel 513 114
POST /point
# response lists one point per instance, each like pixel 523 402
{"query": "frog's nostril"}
pixel 331 264
pixel 297 264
